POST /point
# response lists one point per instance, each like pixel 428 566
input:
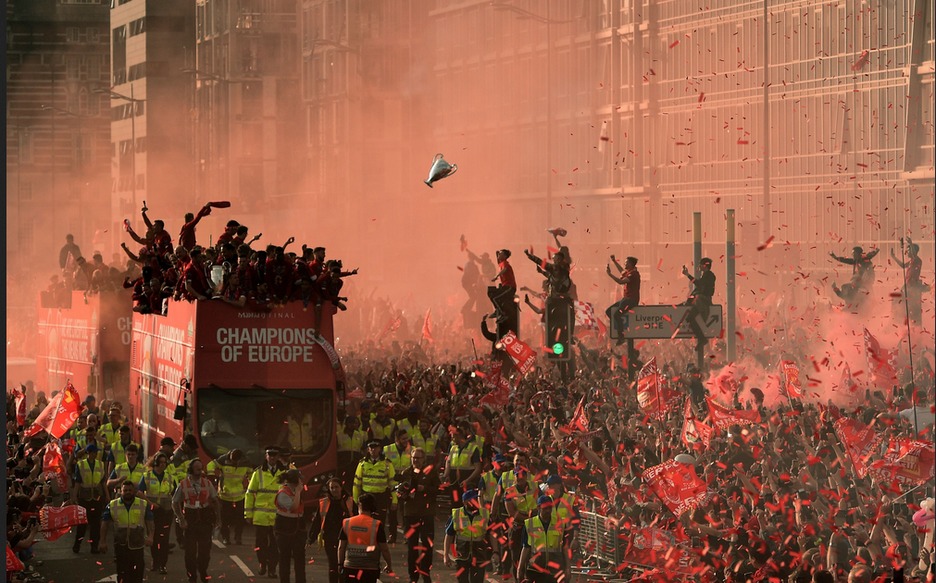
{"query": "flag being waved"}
pixel 520 353
pixel 791 379
pixel 427 327
pixel 677 486
pixel 860 442
pixel 653 396
pixel 55 522
pixel 59 415
pixel 722 417
pixel 694 431
pixel 880 362
pixel 908 462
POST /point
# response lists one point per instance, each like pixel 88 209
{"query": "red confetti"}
pixel 674 43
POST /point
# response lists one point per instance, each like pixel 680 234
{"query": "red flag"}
pixel 522 355
pixel 655 547
pixel 220 204
pixel 722 417
pixel 862 60
pixel 694 431
pixel 909 462
pixel 880 362
pixel 59 415
pixel 357 394
pixel 500 395
pixel 859 440
pixel 392 326
pixel 579 420
pixel 12 561
pixel 53 465
pixel 54 522
pixel 677 485
pixel 20 406
pixel 848 382
pixel 791 379
pixel 652 396
pixel 427 327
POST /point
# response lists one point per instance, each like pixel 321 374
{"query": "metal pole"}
pixel 906 301
pixel 133 145
pixel 696 245
pixel 766 115
pixel 548 118
pixel 730 299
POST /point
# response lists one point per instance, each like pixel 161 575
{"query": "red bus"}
pixel 240 378
pixel 85 339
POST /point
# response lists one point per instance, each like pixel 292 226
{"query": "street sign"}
pixel 647 322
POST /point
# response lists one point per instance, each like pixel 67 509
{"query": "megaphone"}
pixel 439 170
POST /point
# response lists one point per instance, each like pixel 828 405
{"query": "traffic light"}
pixel 559 321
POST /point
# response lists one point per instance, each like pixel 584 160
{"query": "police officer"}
pixel 468 529
pixel 489 484
pixel 565 510
pixel 375 476
pixel 88 491
pixel 351 441
pixel 157 486
pixel 133 530
pixel 543 559
pixel 129 470
pixel 398 454
pixel 520 504
pixel 463 466
pixel 361 543
pixel 197 508
pixel 260 509
pixel 289 526
pixel 232 477
pixel 424 438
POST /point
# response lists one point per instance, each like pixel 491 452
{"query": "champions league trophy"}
pixel 439 170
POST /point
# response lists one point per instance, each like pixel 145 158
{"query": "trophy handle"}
pixel 437 158
pixel 454 167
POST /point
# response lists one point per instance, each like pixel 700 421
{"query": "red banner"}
pixel 653 395
pixel 791 379
pixel 523 356
pixel 500 395
pixel 53 465
pixel 860 442
pixel 579 420
pixel 880 362
pixel 59 415
pixel 427 327
pixel 657 548
pixel 722 417
pixel 848 383
pixel 20 401
pixel 906 461
pixel 694 431
pixel 52 518
pixel 677 485
pixel 12 561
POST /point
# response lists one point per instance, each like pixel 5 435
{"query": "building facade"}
pixel 58 160
pixel 248 132
pixel 152 42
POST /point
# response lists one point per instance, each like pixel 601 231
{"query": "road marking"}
pixel 243 567
pixel 219 544
pixel 110 579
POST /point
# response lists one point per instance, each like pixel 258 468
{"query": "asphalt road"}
pixel 229 563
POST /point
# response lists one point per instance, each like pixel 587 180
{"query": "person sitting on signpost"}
pixel 700 301
pixel 630 279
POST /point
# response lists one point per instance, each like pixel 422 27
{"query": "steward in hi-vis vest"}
pixel 362 543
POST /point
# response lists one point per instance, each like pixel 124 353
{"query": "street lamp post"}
pixel 133 111
pixel 548 21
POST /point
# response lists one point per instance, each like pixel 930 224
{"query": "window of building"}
pixel 25 190
pixel 72 66
pixel 71 34
pixel 137 26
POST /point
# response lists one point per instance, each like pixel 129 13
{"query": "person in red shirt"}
pixel 187 232
pixel 630 279
pixel 502 296
pixel 196 282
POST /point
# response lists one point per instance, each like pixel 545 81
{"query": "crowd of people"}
pixel 230 270
pixel 514 481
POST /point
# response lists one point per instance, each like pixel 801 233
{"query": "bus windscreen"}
pixel 250 419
